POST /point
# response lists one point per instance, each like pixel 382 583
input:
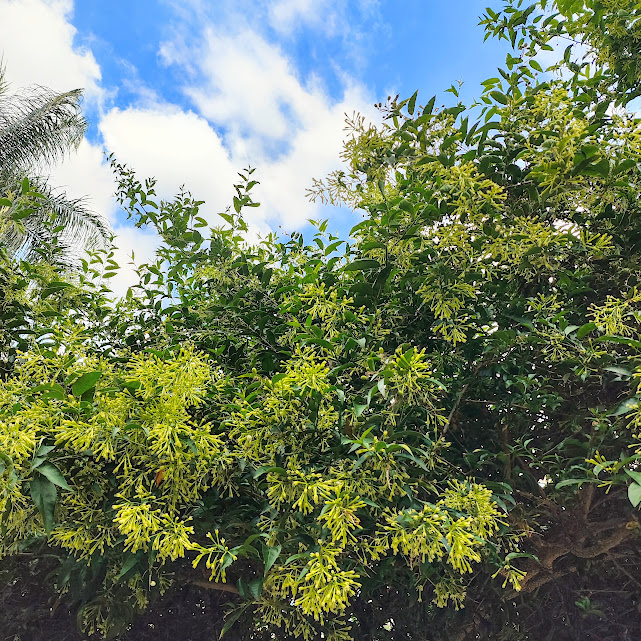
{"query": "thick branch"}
pixel 538 580
pixel 586 496
pixel 454 409
pixel 603 526
pixel 603 546
pixel 548 553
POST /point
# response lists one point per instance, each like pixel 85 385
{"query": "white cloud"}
pixel 249 86
pixel 36 42
pixel 37 45
pixel 84 174
pixel 290 129
pixel 313 153
pixel 253 108
pixel 133 247
pixel 330 17
pixel 177 148
pixel 286 15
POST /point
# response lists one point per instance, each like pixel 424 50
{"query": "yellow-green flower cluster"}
pixel 617 315
pixel 325 588
pixel 456 528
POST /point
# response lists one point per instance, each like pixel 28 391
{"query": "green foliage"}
pixel 601 39
pixel 429 430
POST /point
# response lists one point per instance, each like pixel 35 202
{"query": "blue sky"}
pixel 427 45
pixel 191 91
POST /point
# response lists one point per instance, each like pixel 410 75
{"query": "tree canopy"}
pixel 427 431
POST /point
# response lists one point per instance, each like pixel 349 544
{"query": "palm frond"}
pixel 70 221
pixel 38 126
pixel 4 85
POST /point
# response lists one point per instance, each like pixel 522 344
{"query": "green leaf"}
pixel 270 554
pixel 520 555
pixel 622 340
pixel 53 474
pixel 372 244
pixel 22 213
pixel 53 287
pixel 601 169
pixel 44 494
pixel 535 249
pixel 40 457
pixel 623 166
pixel 295 557
pixel 361 264
pixel 85 383
pixel 411 103
pixel 627 406
pixel 584 330
pixel 5 463
pixel 43 450
pixel 269 469
pixel 232 618
pixel 635 476
pixel 499 97
pixel 634 494
pixel 448 141
pixel 522 321
pixel 567 482
pixel 256 587
pixel 49 390
pixel 619 371
pixel 130 561
pixel 359 409
pixel 243 589
pixel 321 342
pixel 429 107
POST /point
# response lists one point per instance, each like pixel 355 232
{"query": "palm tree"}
pixel 37 128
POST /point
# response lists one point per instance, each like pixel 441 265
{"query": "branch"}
pixel 604 546
pixel 454 409
pixel 213 585
pixel 461 394
pixel 603 526
pixel 537 581
pixel 586 495
pixel 550 552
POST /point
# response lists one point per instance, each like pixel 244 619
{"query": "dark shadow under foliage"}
pixel 595 600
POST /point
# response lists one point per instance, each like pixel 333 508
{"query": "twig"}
pixel 622 569
pixel 459 398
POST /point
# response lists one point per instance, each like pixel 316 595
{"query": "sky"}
pixel 193 91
